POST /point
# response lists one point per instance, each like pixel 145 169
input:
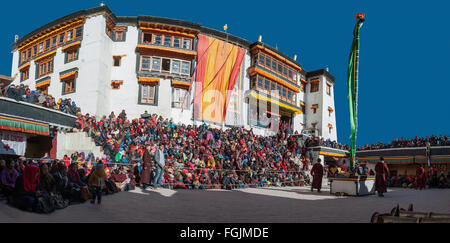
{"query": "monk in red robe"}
pixel 420 177
pixel 317 174
pixel 381 169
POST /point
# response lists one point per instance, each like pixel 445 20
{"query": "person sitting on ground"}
pixel 8 177
pixel 26 191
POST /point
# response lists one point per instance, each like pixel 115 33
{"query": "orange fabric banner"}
pixel 217 72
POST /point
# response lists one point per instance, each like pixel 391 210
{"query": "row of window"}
pixel 46 67
pixel 169 65
pixel 167 40
pixel 277 67
pixel 148 95
pixel 50 43
pixel 315 87
pixel 269 85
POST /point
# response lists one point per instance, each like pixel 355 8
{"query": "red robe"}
pixel 317 173
pixel 420 177
pixel 380 183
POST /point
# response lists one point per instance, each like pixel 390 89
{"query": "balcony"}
pixel 36 113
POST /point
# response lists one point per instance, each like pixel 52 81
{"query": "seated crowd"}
pixel 37 97
pixel 316 141
pixel 198 156
pixel 45 185
pixel 407 181
pixel 412 142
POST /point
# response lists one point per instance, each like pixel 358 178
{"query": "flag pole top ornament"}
pixel 360 16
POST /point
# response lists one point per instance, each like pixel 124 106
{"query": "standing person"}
pixel 381 169
pixel 97 183
pixel 146 168
pixel 160 163
pixel 420 177
pixel 317 173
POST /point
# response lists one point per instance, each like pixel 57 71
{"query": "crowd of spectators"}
pixel 432 180
pixel 44 185
pixel 199 157
pixel 318 141
pixel 412 142
pixel 37 97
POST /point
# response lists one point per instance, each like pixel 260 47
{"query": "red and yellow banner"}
pixel 219 65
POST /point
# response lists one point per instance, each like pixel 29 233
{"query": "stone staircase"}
pixel 69 143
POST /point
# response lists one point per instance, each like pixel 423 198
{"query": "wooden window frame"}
pixel 149 63
pixel 190 43
pixel 328 89
pixel 150 100
pixel 117 58
pixel 71 55
pixel 178 103
pixel 69 89
pixel 315 87
pixel 119 36
pixel 45 68
pixel 25 74
pixel 151 38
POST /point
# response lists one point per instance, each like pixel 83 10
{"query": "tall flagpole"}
pixel 352 83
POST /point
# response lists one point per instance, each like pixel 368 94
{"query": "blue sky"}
pixel 404 58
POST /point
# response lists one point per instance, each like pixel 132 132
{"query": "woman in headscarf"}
pixel 26 191
pixel 97 182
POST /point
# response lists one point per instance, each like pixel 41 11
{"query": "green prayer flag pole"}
pixel 352 83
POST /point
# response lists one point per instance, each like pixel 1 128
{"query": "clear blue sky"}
pixel 404 60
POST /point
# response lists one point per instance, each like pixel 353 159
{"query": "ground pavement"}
pixel 251 205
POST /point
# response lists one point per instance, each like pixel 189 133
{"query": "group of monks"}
pixel 381 170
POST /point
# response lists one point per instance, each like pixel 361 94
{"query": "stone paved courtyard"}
pixel 262 205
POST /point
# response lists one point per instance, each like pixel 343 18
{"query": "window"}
pixel 148 94
pixel 117 61
pixel 145 63
pixel 314 124
pixel 315 107
pixel 285 71
pixel 156 64
pixel 302 86
pixel 147 38
pixel 165 65
pixel 167 41
pixel 266 84
pixel 177 42
pixel 186 44
pixel 328 89
pixel 178 97
pixel 290 96
pixel 185 66
pixel 54 41
pixel 24 75
pixel 268 62
pixel 44 89
pixel 61 38
pixel 330 129
pixel 34 50
pixel 29 54
pixel 261 58
pixel 69 86
pixel 290 74
pixel 157 40
pixel 78 32
pixel 280 68
pixel 119 36
pixel 274 65
pixel 175 66
pixel 284 92
pixel 314 87
pixel 45 68
pixel 260 82
pixel 272 86
pixel 72 55
pixel 41 47
pixel 303 109
pixel 70 35
pixel 47 44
